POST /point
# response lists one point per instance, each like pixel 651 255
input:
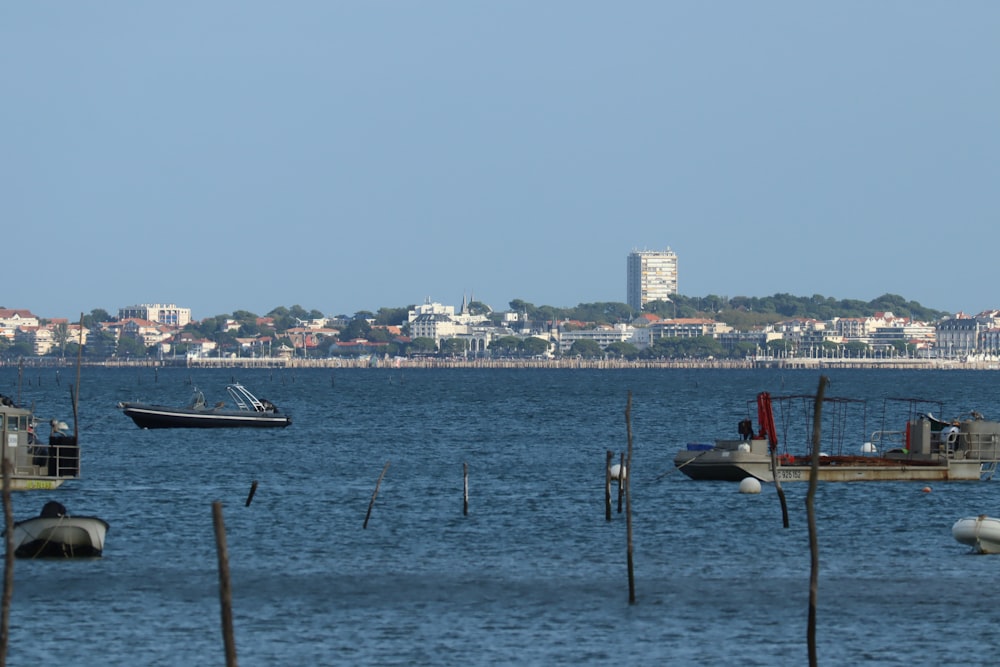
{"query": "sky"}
pixel 348 156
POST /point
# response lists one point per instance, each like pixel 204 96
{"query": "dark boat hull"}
pixel 155 416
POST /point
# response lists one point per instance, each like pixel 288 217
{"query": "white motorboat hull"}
pixel 982 533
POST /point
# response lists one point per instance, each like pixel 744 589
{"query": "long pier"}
pixel 564 363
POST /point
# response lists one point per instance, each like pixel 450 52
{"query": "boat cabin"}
pixel 35 464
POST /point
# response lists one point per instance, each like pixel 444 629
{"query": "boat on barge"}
pixel 249 411
pixel 924 449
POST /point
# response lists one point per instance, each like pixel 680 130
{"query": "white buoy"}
pixel 615 469
pixel 744 447
pixel 750 485
pixel 868 448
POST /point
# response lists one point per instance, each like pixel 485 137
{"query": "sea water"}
pixel 534 573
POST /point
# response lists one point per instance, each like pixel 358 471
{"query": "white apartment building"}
pixel 437 321
pixel 603 335
pixel 12 319
pixel 651 276
pixel 168 314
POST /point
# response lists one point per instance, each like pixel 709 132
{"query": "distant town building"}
pixel 437 321
pixel 651 276
pixel 168 314
pixel 957 335
pixel 603 335
pixel 12 319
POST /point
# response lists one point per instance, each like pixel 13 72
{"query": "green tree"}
pixel 454 346
pixel 130 347
pixel 507 346
pixel 60 336
pixel 422 345
pixel 586 348
pixel 96 317
pixel 355 329
pixel 622 350
pixel 479 308
pixel 392 316
pixel 533 346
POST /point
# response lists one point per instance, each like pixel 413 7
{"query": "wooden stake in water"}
pixel 8 566
pixel 607 486
pixel 465 489
pixel 225 591
pixel 375 494
pixel 627 481
pixel 811 514
pixel 621 479
pixel 253 490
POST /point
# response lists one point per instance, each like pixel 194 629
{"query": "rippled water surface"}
pixel 534 574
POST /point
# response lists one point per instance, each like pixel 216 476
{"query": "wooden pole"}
pixel 225 591
pixel 465 489
pixel 621 478
pixel 253 490
pixel 375 494
pixel 607 486
pixel 76 391
pixel 811 514
pixel 777 486
pixel 628 500
pixel 8 566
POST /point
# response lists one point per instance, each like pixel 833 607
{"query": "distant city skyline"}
pixel 347 156
pixel 194 316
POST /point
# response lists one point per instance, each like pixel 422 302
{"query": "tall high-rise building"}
pixel 652 276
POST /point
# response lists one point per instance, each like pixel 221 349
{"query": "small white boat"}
pixel 982 533
pixel 55 534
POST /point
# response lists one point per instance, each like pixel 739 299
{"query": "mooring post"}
pixel 8 566
pixel 225 590
pixel 628 501
pixel 607 486
pixel 621 479
pixel 375 494
pixel 465 489
pixel 253 490
pixel 811 516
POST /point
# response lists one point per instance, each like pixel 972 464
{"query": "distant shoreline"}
pixel 499 364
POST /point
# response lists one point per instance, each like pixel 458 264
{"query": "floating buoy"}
pixel 615 469
pixel 868 448
pixel 750 485
pixel 926 489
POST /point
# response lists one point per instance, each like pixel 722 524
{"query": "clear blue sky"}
pixel 344 156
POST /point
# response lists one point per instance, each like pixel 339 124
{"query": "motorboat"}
pixel 924 449
pixel 982 533
pixel 36 463
pixel 56 534
pixel 247 410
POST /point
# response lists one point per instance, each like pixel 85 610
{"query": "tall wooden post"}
pixel 607 486
pixel 811 514
pixel 225 590
pixel 465 489
pixel 628 500
pixel 8 566
pixel 375 494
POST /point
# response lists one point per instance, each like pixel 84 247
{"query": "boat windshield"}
pixel 198 401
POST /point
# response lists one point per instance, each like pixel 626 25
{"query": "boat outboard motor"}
pixel 53 509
